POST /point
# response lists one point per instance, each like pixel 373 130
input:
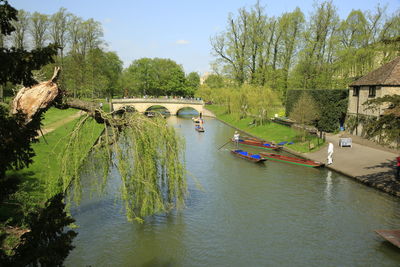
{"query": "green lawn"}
pixel 54 115
pixel 40 179
pixel 272 131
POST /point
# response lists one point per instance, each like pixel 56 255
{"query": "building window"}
pixel 372 91
pixel 356 90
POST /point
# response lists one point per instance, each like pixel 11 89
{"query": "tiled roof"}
pixel 388 74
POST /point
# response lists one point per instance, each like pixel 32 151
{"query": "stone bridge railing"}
pixel 159 100
pixel 172 105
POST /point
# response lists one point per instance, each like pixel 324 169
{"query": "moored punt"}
pixel 249 156
pixel 292 160
pixel 260 144
pixel 393 236
pixel 199 128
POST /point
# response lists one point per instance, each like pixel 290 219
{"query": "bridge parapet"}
pixel 172 105
pixel 158 100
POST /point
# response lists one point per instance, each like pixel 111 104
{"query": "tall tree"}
pixel 231 46
pixel 192 83
pixel 59 29
pixel 291 27
pixel 21 27
pixel 38 28
pixel 316 58
pixel 257 32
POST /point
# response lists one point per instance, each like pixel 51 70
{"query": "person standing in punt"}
pixel 236 137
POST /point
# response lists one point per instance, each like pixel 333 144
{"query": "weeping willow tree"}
pixel 147 153
pixel 256 102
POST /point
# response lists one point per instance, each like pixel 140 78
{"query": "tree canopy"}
pixel 158 77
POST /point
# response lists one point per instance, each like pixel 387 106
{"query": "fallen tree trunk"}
pixel 33 101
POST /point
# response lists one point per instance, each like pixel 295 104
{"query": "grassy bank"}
pixel 40 179
pixel 272 131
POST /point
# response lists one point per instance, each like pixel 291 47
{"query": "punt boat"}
pixel 258 143
pixel 246 155
pixel 292 160
pixel 199 128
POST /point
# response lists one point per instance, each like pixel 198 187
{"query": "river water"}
pixel 243 214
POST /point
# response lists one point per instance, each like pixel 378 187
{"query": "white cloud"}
pixel 182 42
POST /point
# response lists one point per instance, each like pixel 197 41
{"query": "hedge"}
pixel 332 105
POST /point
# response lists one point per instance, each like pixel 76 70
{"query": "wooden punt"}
pixel 249 156
pixel 292 160
pixel 393 236
pixel 260 144
pixel 199 128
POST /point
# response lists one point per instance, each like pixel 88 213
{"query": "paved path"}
pixel 208 113
pixel 366 163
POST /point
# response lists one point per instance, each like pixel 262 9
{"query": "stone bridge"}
pixel 143 104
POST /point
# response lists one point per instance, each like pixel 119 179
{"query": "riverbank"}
pixel 367 164
pixel 40 180
pixel 271 132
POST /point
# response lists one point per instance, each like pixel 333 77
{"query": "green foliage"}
pixel 46 244
pixel 258 103
pixel 148 156
pixel 386 128
pixel 15 141
pixel 7 15
pixel 20 63
pixel 192 83
pixel 332 106
pixel 214 81
pixel 156 77
pixel 304 112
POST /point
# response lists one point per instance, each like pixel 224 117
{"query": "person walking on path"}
pixel 236 137
pixel 398 169
pixel 330 153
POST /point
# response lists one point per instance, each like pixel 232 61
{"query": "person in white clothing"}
pixel 236 137
pixel 330 153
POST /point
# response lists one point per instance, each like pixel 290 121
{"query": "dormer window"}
pixel 372 91
pixel 356 90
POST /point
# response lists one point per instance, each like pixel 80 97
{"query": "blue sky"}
pixel 175 29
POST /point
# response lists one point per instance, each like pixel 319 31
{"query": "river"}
pixel 243 214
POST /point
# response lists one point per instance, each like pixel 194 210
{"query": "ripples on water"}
pixel 246 215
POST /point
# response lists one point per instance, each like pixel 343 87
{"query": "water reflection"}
pixel 328 188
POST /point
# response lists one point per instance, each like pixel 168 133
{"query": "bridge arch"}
pixel 191 108
pixel 157 105
pixel 172 105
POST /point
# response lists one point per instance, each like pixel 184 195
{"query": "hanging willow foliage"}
pixel 148 155
pixel 259 103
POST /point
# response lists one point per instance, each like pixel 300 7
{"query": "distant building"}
pixel 380 82
pixel 204 77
